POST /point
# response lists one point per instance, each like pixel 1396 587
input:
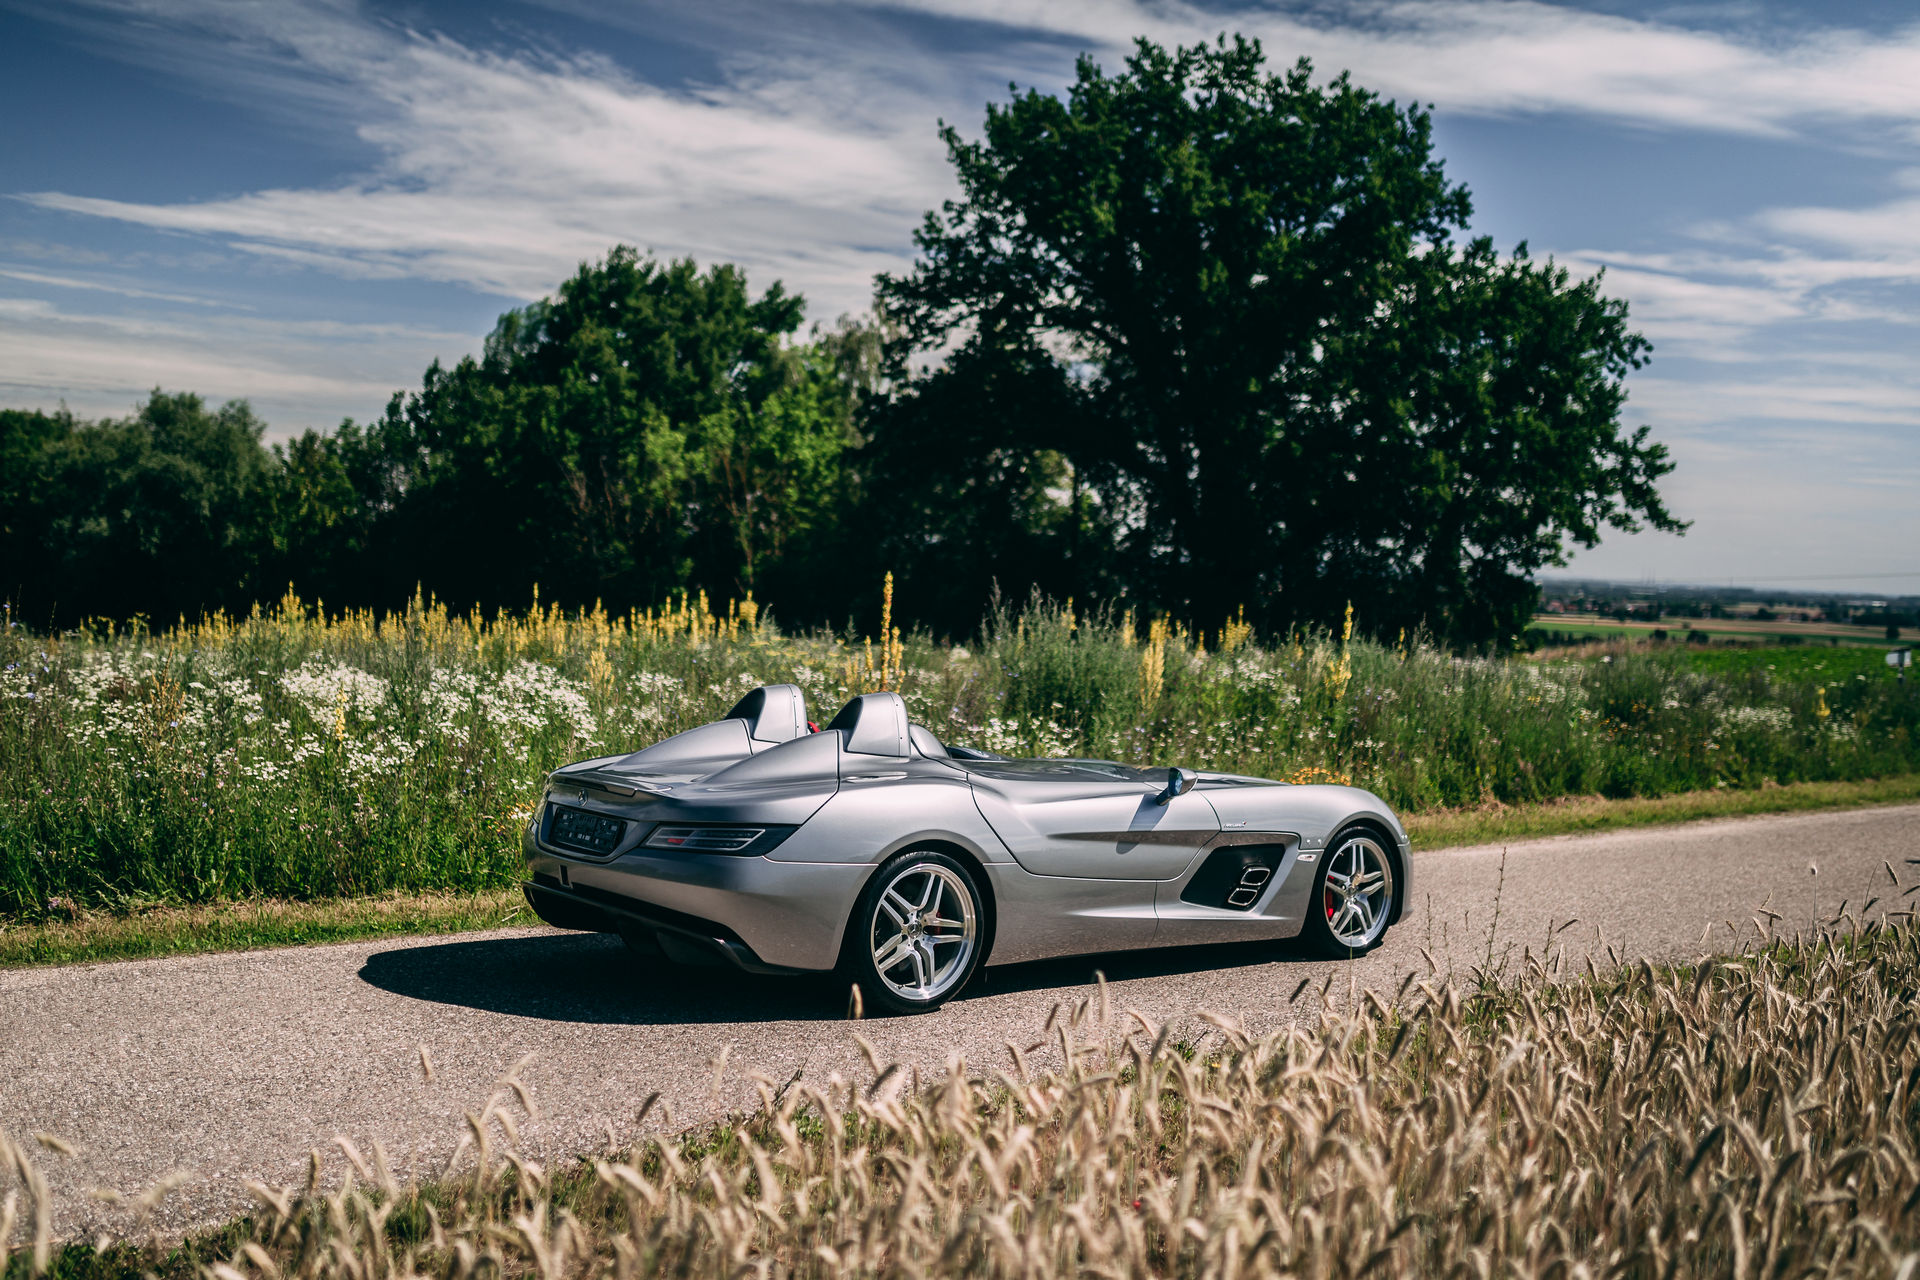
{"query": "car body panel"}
pixel 783 911
pixel 1040 917
pixel 870 821
pixel 1091 820
pixel 1074 856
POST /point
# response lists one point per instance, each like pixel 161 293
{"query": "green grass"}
pixel 92 936
pixel 295 758
pixel 1797 663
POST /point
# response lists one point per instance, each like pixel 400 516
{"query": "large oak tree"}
pixel 1207 332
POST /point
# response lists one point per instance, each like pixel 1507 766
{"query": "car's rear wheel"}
pixel 1353 896
pixel 916 934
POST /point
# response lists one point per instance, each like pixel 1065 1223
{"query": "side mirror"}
pixel 1179 782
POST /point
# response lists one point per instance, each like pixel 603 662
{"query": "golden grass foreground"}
pixel 1747 1116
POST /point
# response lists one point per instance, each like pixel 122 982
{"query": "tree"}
pixel 336 498
pixel 165 513
pixel 647 429
pixel 1239 318
pixel 961 482
pixel 27 442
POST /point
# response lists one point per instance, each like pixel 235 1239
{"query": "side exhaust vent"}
pixel 1247 892
pixel 1234 877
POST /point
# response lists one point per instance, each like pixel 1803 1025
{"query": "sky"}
pixel 305 202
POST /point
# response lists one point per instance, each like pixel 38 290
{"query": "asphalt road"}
pixel 233 1067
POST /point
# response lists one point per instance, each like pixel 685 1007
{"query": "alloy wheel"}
pixel 1358 893
pixel 923 933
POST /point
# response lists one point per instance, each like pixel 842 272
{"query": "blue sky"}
pixel 304 203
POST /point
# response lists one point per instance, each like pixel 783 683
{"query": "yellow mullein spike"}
pixel 1236 631
pixel 886 628
pixel 1153 661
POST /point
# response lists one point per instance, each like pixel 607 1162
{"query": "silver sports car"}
pixel 873 848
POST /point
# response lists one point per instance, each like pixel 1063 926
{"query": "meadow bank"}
pixel 296 754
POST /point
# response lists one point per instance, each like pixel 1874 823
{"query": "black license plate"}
pixel 587 832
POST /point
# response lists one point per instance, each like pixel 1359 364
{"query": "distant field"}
pixel 1593 626
pixel 1798 663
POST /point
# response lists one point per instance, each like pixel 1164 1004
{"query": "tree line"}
pixel 1198 336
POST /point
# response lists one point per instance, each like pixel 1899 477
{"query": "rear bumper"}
pixel 681 937
pixel 756 914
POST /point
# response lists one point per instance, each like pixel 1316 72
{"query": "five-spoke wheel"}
pixel 1353 902
pixel 915 937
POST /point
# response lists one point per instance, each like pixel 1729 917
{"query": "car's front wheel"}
pixel 1353 897
pixel 916 933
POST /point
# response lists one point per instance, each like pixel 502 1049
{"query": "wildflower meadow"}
pixel 300 753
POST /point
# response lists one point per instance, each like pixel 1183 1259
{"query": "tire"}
pixel 917 934
pixel 1343 922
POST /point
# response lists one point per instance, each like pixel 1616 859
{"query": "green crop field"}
pixel 1795 663
pixel 1555 628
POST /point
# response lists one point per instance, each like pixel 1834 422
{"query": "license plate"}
pixel 586 832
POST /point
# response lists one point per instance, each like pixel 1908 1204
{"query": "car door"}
pixel 1091 820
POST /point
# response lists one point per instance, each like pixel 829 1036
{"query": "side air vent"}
pixel 1234 877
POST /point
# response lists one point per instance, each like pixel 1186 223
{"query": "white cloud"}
pixel 1767 508
pixel 1505 56
pixel 296 373
pixel 811 154
pixel 106 286
pixel 1886 236
pixel 502 172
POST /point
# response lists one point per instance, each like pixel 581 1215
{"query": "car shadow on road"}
pixel 1074 973
pixel 593 978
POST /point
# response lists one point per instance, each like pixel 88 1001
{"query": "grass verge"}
pixel 1579 815
pixel 248 926
pixel 1749 1115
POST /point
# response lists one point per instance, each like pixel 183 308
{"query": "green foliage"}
pixel 157 514
pixel 645 430
pixel 336 494
pixel 288 756
pixel 1194 337
pixel 1228 305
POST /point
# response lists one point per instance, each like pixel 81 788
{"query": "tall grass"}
pixel 298 754
pixel 1753 1116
